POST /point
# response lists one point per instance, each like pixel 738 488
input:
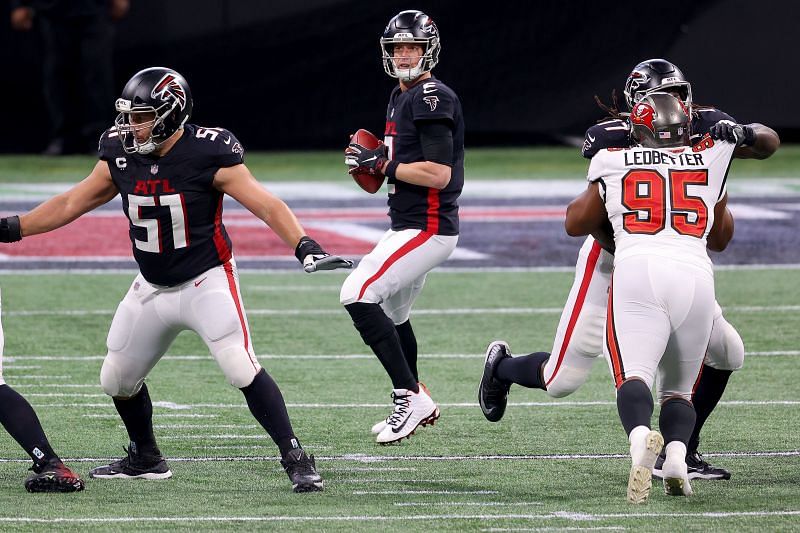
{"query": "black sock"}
pixel 525 370
pixel 676 420
pixel 705 398
pixel 137 415
pixel 379 333
pixel 21 422
pixel 634 404
pixel 265 401
pixel 409 344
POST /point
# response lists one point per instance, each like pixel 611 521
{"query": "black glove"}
pixel 361 159
pixel 10 230
pixel 738 134
pixel 313 257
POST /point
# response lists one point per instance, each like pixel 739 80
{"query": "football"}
pixel 369 182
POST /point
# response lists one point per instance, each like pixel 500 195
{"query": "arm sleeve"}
pixel 436 138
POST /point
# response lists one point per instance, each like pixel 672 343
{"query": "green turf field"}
pixel 480 163
pixel 549 465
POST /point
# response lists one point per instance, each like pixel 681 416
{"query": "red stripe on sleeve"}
pixel 223 250
pixel 433 210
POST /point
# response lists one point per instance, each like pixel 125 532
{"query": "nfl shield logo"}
pixel 154 169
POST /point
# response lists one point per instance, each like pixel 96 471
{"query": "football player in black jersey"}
pixel 20 420
pixel 172 177
pixel 422 156
pixel 579 336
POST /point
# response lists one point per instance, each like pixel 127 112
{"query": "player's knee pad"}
pixel 119 333
pixel 116 381
pixel 567 380
pixel 725 347
pixel 237 365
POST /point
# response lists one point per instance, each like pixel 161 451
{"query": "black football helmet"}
pixel 656 75
pixel 157 90
pixel 411 27
pixel 659 120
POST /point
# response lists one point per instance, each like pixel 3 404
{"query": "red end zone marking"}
pixel 106 235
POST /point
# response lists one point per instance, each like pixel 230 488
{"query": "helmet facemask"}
pixel 430 56
pixel 127 128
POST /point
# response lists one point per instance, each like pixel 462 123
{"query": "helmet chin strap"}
pixel 410 74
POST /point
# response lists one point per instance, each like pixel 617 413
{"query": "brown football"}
pixel 368 182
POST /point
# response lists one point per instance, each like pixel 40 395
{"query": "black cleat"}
pixel 697 466
pixel 301 469
pixel 53 476
pixel 134 466
pixel 492 392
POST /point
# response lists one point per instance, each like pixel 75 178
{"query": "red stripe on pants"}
pixel 235 293
pixel 611 341
pixel 594 254
pixel 416 242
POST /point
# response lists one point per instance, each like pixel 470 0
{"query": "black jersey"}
pixel 615 133
pixel 415 206
pixel 175 213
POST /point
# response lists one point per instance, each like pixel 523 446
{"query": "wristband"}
pixel 10 229
pixel 391 169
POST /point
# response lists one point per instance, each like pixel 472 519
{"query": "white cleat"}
pixel 676 475
pixel 411 410
pixel 379 426
pixel 645 447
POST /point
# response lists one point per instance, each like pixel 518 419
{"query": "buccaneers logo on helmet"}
pixel 170 88
pixel 643 115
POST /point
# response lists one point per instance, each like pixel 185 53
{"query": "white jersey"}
pixel 661 201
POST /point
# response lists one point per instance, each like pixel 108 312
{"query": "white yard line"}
pixel 558 515
pixel 444 311
pixel 359 356
pixel 367 459
pixel 467 405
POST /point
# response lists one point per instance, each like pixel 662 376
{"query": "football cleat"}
pixel 53 476
pixel 378 427
pixel 411 410
pixel 134 466
pixel 698 468
pixel 492 392
pixel 302 471
pixel 644 452
pixel 676 478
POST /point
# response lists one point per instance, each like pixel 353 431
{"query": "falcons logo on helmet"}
pixel 170 88
pixel 643 115
pixel 636 80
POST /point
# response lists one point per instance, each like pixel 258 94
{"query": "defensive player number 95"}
pixel 644 191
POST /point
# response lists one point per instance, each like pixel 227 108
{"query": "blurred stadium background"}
pixel 298 75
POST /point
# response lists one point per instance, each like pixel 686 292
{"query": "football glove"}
pixel 10 230
pixel 738 134
pixel 313 257
pixel 363 160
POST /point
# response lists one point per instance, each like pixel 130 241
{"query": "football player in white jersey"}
pixel 578 340
pixel 665 201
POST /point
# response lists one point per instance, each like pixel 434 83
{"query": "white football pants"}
pixel 394 272
pixel 150 317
